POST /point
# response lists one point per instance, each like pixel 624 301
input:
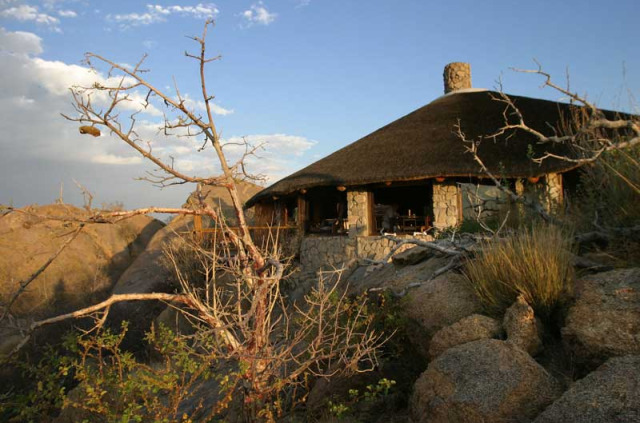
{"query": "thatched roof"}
pixel 423 145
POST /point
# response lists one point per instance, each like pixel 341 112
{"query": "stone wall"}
pixel 373 247
pixel 330 252
pixel 358 213
pixel 445 205
pixel 325 252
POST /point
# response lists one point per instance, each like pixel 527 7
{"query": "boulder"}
pixel 176 321
pixel 394 278
pixel 438 303
pixel 471 328
pixel 522 327
pixel 411 256
pixel 604 321
pixel 83 273
pixel 482 381
pixel 609 394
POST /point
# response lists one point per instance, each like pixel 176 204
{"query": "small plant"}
pixel 44 396
pixel 371 394
pixel 535 262
pixel 111 385
pixel 338 409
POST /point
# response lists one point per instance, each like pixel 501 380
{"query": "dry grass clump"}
pixel 535 262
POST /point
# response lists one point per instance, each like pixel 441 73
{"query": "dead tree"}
pixel 277 346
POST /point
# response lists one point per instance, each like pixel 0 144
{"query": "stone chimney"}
pixel 457 76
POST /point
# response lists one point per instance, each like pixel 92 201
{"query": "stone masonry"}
pixel 457 76
pixel 445 205
pixel 548 192
pixel 358 213
pixel 553 192
pixel 326 252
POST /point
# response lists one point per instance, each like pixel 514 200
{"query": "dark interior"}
pixel 412 203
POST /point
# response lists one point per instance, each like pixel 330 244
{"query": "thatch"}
pixel 423 144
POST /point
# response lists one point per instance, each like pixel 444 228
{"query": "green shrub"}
pixel 535 262
pixel 609 190
pixel 113 386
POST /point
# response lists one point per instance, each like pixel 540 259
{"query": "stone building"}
pixel 416 172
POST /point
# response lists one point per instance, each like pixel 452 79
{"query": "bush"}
pixel 112 386
pixel 609 190
pixel 535 262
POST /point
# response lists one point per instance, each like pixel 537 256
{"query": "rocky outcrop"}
pixel 471 328
pixel 522 327
pixel 609 394
pixel 83 273
pixel 482 381
pixel 604 321
pixel 149 273
pixel 438 303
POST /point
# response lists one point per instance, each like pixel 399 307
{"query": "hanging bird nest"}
pixel 91 130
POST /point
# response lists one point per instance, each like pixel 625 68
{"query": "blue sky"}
pixel 307 77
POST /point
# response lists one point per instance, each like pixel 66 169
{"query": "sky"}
pixel 304 77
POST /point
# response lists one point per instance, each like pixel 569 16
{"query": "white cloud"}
pixel 258 14
pixel 280 154
pixel 41 87
pixel 25 13
pixel 20 42
pixel 39 148
pixel 219 110
pixel 281 144
pixel 149 44
pixel 199 106
pixel 67 13
pixel 51 4
pixel 112 159
pixel 156 13
pixel 57 77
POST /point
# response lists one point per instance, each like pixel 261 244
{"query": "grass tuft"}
pixel 535 262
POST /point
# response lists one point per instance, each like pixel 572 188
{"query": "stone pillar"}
pixel 358 210
pixel 457 76
pixel 446 206
pixel 553 192
pixel 548 192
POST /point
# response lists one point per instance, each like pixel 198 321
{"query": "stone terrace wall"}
pixel 327 252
